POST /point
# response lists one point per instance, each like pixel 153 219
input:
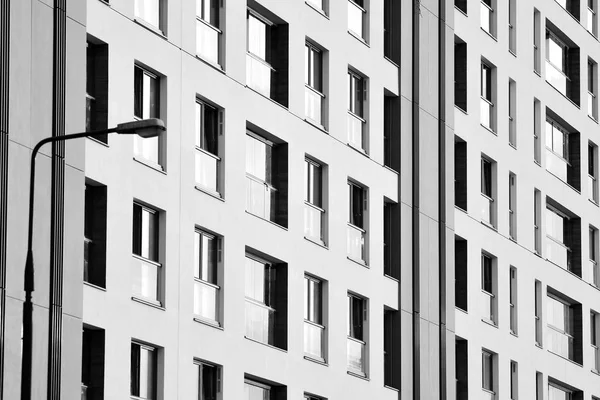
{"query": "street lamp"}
pixel 146 128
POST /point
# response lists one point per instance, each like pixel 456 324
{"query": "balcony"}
pixel 558 253
pixel 556 165
pixel 355 131
pixel 355 18
pixel 146 148
pixel 145 276
pixel 207 170
pixel 487 207
pixel 559 342
pixel 592 107
pixel 356 356
pixel 486 15
pixel 313 222
pixel 556 78
pixel 260 322
pixel 487 306
pixel 592 189
pixel 313 105
pixel 206 300
pixel 590 272
pixel 258 75
pixel 259 197
pixel 313 340
pixel 207 41
pixel 356 243
pixel 487 110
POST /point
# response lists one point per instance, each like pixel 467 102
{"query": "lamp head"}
pixel 145 128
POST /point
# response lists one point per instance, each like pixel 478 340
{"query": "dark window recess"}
pixel 357 205
pixel 487 272
pixel 391 30
pixel 573 7
pixel 92 363
pixel 572 236
pixel 391 239
pixel 391 132
pixel 209 381
pixel 97 88
pixel 460 173
pixel 145 232
pixel 143 371
pixel 462 369
pixel 94 241
pixel 574 165
pixel 460 74
pixel 574 73
pixel 391 348
pixel 279 208
pixel 460 273
pixel 461 5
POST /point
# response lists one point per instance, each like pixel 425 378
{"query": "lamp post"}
pixel 145 128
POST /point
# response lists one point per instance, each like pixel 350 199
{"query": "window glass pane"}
pixel 255 280
pixel 252 392
pixel 557 314
pixel 487 371
pixel 356 205
pixel 549 133
pixel 256 157
pixel 139 93
pixel 257 37
pixel 208 382
pixel 316 69
pixel 356 307
pixel 147 373
pixel 308 61
pixel 487 274
pixel 556 53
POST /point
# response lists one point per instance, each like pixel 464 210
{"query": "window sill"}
pixel 391 169
pixel 268 98
pixel 359 375
pixel 397 280
pixel 267 220
pixel 460 109
pixel 539 164
pixel 150 164
pixel 316 360
pixel 316 125
pixel 460 11
pixel 100 142
pixel 487 128
pixel 538 73
pixel 362 263
pixel 514 146
pixel 492 227
pixel 216 195
pixel 151 28
pixel 562 268
pixel 565 358
pixel 94 286
pixel 394 63
pixel 391 388
pixel 105 2
pixel 593 371
pixel 566 183
pixel 265 344
pixel 212 324
pixel 592 118
pixel 563 95
pixel 217 67
pixel 355 36
pixel 489 322
pixel 461 310
pixel 512 52
pixel 569 13
pixel 459 208
pixel 321 12
pixel 148 302
pixel 594 202
pixel 489 34
pixel 359 151
pixel 514 334
pixel 319 243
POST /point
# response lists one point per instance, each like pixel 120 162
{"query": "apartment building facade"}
pixel 526 199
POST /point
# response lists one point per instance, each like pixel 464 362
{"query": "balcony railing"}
pixel 356 356
pixel 355 18
pixel 355 131
pixel 258 75
pixel 260 322
pixel 487 206
pixel 556 78
pixel 206 300
pixel 207 170
pixel 146 279
pixel 259 197
pixel 556 165
pixel 356 243
pixel 592 105
pixel 487 109
pixel 558 253
pixel 487 306
pixel 559 342
pixel 486 17
pixel 146 148
pixel 313 340
pixel 592 188
pixel 207 41
pixel 313 105
pixel 313 222
pixel 590 273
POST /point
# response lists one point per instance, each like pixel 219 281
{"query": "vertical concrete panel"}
pixel 406 291
pixel 71 360
pixel 407 356
pixel 433 282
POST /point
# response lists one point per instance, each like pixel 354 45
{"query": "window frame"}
pixel 356 84
pixel 135 380
pixel 487 374
pixel 201 364
pixel 356 217
pixel 153 254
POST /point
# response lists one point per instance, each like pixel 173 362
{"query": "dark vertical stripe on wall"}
pixel 58 192
pixel 4 96
pixel 415 206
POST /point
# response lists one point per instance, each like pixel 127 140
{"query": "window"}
pixel 592 18
pixel 357 15
pixel 266 301
pixel 487 372
pixel 311 397
pixel 314 329
pixel 94 231
pixel 514 380
pixel 267 56
pixel 514 314
pixel 314 99
pixel 460 173
pixel 391 31
pixel 314 212
pixel 488 288
pixel 487 96
pixel 391 236
pixel 209 380
pixel 461 273
pixel 591 274
pixel 593 172
pixel 563 321
pixel 92 363
pixel 147 105
pixel 539 386
pixel 209 129
pixel 461 364
pixel 143 371
pixel 558 392
pixel 266 179
pixel 357 222
pixel 461 5
pixel 537 61
pixel 391 348
pixel 357 335
pixel 255 390
pixel 488 190
pixel 537 122
pixel 562 65
pixel 488 19
pixel 207 292
pixel 572 6
pixel 595 339
pixel 563 238
pixel 592 89
pixel 391 131
pixel 357 93
pixel 145 253
pixel 150 11
pixel 319 5
pixel 512 113
pixel 96 87
pixel 512 26
pixel 537 221
pixel 562 151
pixel 460 73
pixel 512 206
pixel 208 32
pixel 538 312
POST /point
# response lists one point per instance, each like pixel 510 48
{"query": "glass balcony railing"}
pixel 145 279
pixel 487 205
pixel 356 243
pixel 146 148
pixel 355 131
pixel 355 18
pixel 592 189
pixel 207 41
pixel 260 322
pixel 559 342
pixel 206 300
pixel 486 17
pixel 487 306
pixel 556 165
pixel 207 170
pixel 312 104
pixel 356 356
pixel 590 272
pixel 487 109
pixel 591 100
pixel 313 340
pixel 556 78
pixel 259 197
pixel 558 253
pixel 258 75
pixel 313 222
